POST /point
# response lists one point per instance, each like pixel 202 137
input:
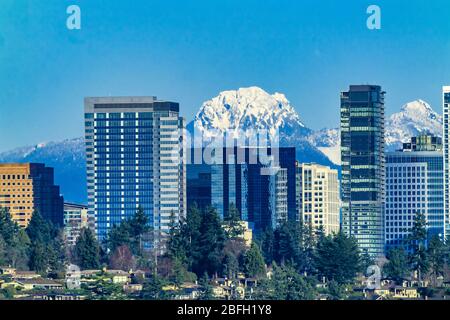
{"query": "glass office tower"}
pixel 446 133
pixel 135 158
pixel 263 200
pixel 414 184
pixel 363 166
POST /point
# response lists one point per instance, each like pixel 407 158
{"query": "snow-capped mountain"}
pixel 414 118
pixel 241 112
pixel 68 159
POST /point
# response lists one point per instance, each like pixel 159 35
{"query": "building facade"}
pixel 414 184
pixel 29 187
pixel 363 166
pixel 318 201
pixel 263 199
pixel 446 137
pixel 135 158
pixel 75 219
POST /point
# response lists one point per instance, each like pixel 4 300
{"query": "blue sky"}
pixel 190 50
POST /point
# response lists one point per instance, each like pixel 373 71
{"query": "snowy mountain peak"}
pixel 416 117
pixel 415 109
pixel 246 108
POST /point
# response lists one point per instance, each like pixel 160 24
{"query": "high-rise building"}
pixel 29 187
pixel 363 166
pixel 264 200
pixel 414 184
pixel 135 158
pixel 317 193
pixel 76 218
pixel 446 137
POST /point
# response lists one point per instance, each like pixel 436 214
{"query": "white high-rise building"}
pixel 445 136
pixel 318 196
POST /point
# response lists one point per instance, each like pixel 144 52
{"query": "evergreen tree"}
pixel 15 241
pixel 41 230
pixel 417 239
pixel 118 236
pixel 87 250
pixel 210 244
pixel 338 258
pixel 39 257
pixel 254 262
pixel 336 291
pixel 267 245
pixel 286 284
pixel 46 252
pixel 437 257
pixel 308 243
pixel 207 292
pixel 139 223
pixel 129 233
pixel 299 287
pixel 2 251
pixel 230 266
pixel 287 241
pixel 233 223
pixel 17 250
pixel 397 267
pixel 153 289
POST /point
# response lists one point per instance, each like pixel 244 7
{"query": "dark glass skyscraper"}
pixel 363 166
pixel 264 200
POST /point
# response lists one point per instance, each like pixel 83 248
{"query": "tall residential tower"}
pixel 363 166
pixel 134 151
pixel 317 194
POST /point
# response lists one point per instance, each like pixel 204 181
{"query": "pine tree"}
pixel 207 292
pixel 397 267
pixel 267 245
pixel 39 257
pixel 287 243
pixel 230 266
pixel 153 289
pixel 436 256
pixel 338 258
pixel 210 244
pixel 417 239
pixel 46 250
pixel 233 222
pixel 87 250
pixel 254 262
pixel 2 251
pixel 129 233
pixel 41 230
pixel 18 250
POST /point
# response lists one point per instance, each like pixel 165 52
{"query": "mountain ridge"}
pixel 319 146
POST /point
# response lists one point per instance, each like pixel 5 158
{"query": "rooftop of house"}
pixel 40 281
